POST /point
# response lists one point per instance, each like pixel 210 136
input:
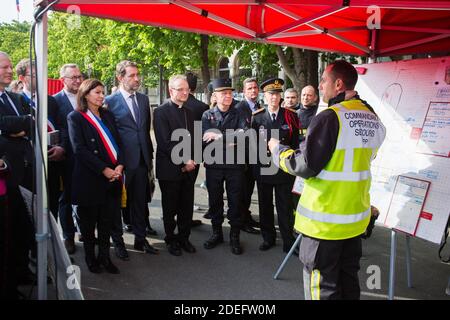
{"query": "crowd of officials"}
pixel 102 163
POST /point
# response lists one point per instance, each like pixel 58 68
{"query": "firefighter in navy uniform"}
pixel 285 122
pixel 334 209
pixel 215 123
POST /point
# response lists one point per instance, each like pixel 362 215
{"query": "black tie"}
pixel 135 108
pixel 6 102
pixel 274 117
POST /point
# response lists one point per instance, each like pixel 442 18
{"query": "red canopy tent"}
pixel 344 26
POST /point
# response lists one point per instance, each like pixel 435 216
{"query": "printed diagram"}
pixel 436 127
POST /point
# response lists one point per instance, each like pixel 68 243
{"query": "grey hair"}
pixel 62 71
pixel 291 90
pixel 4 54
pixel 176 77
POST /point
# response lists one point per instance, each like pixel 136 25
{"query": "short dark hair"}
pixel 341 69
pixel 249 80
pixel 121 67
pixel 191 79
pixel 86 86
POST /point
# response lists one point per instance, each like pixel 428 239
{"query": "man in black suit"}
pixel 176 177
pixel 15 146
pixel 245 108
pixel 71 77
pixel 54 122
pixel 307 109
pixel 15 127
pixel 197 108
pixel 131 111
pixel 285 121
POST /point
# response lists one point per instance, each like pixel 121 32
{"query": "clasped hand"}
pixel 113 175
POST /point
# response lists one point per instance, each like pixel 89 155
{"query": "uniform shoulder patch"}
pixel 258 111
pixel 292 110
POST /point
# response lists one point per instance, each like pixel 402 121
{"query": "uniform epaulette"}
pixel 292 110
pixel 257 111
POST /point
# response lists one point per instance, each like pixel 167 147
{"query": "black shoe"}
pixel 196 223
pixel 109 266
pixel 149 231
pixel 235 244
pixel 27 278
pixel 187 246
pixel 247 228
pixel 121 252
pixel 266 245
pixel 213 241
pixel 174 248
pixel 253 223
pixel 207 215
pixel 128 228
pixel 70 246
pixel 94 267
pixel 146 247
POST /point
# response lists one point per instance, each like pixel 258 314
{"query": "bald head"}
pixel 308 96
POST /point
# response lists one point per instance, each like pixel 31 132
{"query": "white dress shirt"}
pixel 72 98
pixel 126 95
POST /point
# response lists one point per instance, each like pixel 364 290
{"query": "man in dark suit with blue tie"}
pixel 131 110
pixel 246 107
pixel 71 77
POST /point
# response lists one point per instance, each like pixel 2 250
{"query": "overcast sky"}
pixel 8 11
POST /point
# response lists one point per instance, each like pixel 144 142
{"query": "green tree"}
pixel 14 40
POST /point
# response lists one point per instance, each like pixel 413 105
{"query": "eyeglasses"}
pixel 74 78
pixel 180 89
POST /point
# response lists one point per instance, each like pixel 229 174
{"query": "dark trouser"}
pixel 116 225
pixel 283 203
pixel 233 179
pixel 65 202
pixel 331 268
pixel 177 199
pixel 99 216
pixel 54 187
pixel 8 282
pixel 136 185
pixel 247 192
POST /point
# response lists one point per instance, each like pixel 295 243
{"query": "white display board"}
pixel 412 99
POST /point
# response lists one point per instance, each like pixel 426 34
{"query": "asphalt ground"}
pixel 217 274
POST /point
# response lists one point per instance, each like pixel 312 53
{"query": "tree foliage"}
pixel 14 39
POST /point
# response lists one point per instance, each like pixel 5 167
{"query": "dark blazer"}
pixel 232 120
pixel 89 185
pixel 135 137
pixel 288 135
pixel 196 106
pixel 18 151
pixel 245 111
pixel 64 108
pixel 169 117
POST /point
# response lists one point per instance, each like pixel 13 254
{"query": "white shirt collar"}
pixel 125 93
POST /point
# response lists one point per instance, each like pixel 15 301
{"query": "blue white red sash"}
pixel 105 135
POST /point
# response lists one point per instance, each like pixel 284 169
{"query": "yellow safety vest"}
pixel 335 204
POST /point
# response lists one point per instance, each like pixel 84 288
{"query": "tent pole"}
pixel 41 149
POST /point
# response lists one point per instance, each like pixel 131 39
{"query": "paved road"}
pixel 219 275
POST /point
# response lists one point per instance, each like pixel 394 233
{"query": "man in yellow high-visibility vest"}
pixel 334 209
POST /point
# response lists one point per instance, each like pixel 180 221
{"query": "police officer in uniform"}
pixel 334 209
pixel 265 122
pixel 222 127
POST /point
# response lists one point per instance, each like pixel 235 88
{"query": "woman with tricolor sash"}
pixel 97 174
